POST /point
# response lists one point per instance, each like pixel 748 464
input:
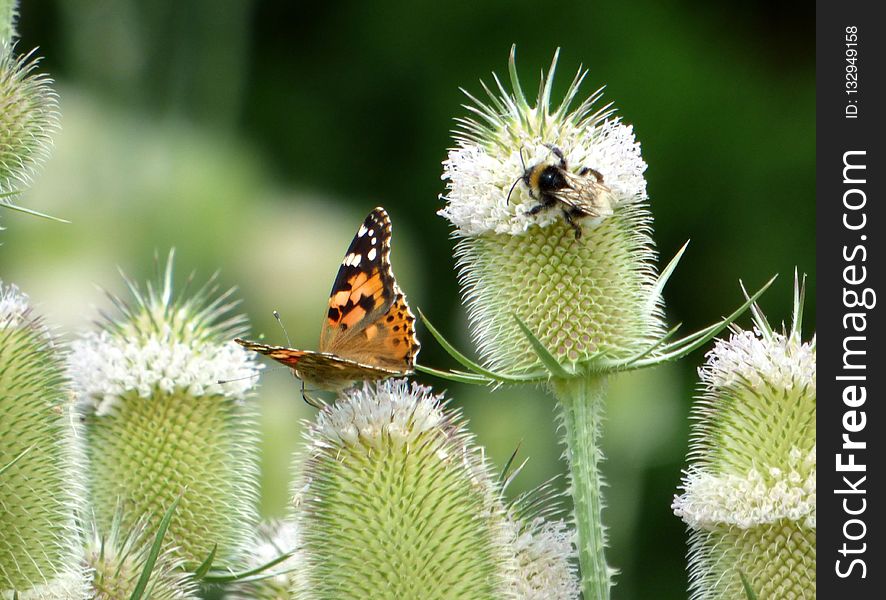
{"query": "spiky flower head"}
pixel 396 503
pixel 394 500
pixel 41 481
pixel 584 297
pixel 8 17
pixel 28 118
pixel 159 425
pixel 117 560
pixel 545 560
pixel 282 581
pixel 749 493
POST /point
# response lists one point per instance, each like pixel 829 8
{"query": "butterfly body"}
pixel 368 331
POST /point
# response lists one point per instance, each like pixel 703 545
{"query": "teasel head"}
pixel 584 284
pixel 160 426
pixel 749 492
pixel 276 544
pixel 544 549
pixel 28 111
pixel 394 500
pixel 41 471
pixel 117 560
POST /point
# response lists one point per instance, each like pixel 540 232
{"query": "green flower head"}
pixel 394 500
pixel 41 478
pixel 749 493
pixel 584 285
pixel 159 424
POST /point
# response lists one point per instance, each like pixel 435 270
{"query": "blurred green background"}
pixel 255 135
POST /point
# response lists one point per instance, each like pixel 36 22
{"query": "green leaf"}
pixel 204 567
pixel 145 576
pixel 748 590
pixel 16 459
pixel 760 319
pixel 515 79
pixel 29 211
pixel 653 347
pixel 507 467
pixel 799 300
pixel 665 275
pixel 693 341
pixel 483 375
pixel 456 376
pixel 547 359
pixel 249 575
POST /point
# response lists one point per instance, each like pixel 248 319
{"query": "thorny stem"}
pixel 581 400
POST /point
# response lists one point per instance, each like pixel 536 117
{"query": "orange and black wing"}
pixel 367 319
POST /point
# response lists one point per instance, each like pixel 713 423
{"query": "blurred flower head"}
pixel 117 559
pixel 41 478
pixel 160 426
pixel 28 118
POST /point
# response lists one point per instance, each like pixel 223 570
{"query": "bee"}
pixel 578 195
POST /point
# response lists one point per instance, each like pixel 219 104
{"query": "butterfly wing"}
pixel 367 319
pixel 323 371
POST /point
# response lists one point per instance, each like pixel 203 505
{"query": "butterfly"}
pixel 368 332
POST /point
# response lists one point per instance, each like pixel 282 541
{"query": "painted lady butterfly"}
pixel 369 331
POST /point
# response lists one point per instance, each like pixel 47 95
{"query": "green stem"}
pixel 581 400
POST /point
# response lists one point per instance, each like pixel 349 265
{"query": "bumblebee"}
pixel 578 195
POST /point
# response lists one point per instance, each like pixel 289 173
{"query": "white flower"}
pixel 751 358
pixel 394 411
pixel 104 367
pixel 14 306
pixel 506 136
pixel 711 500
pixel 545 567
pixel 749 494
pixel 480 178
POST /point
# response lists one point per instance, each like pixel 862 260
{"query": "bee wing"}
pixel 585 195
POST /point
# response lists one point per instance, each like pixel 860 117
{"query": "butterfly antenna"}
pixel 224 381
pixel 283 327
pixel 256 374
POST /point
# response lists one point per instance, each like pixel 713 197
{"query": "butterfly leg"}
pixel 308 400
